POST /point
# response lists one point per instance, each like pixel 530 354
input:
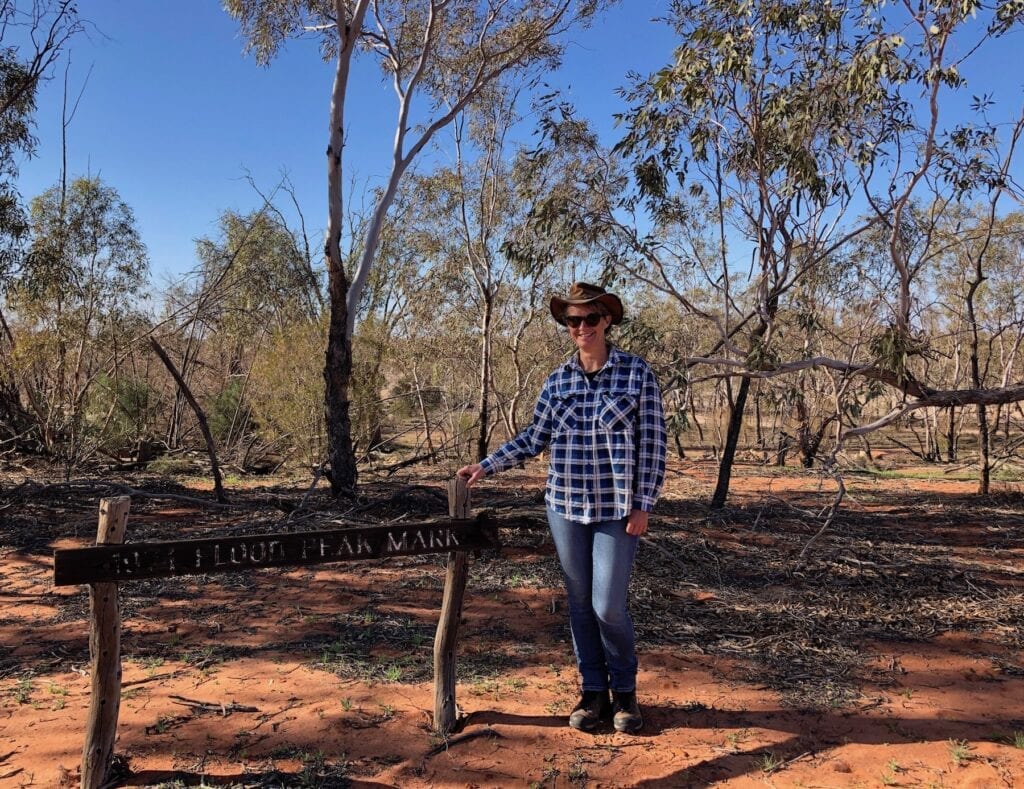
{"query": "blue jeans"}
pixel 597 559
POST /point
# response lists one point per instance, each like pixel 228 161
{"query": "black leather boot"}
pixel 592 708
pixel 627 716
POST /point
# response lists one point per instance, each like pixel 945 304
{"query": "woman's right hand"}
pixel 471 473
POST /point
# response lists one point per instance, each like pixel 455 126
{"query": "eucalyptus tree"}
pixel 85 271
pixel 34 34
pixel 981 289
pixel 922 55
pixel 739 150
pixel 443 53
pixel 471 210
pixel 254 278
pixel 258 274
pixel 781 133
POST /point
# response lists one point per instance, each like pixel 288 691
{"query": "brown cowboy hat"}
pixel 583 293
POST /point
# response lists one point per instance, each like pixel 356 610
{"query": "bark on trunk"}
pixel 337 374
pixel 977 379
pixel 984 443
pixel 338 358
pixel 758 424
pixel 485 375
pixel 951 436
pixel 732 438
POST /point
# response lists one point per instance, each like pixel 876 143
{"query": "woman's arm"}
pixel 530 443
pixel 651 444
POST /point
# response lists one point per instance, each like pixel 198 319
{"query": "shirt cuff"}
pixel 488 466
pixel 644 503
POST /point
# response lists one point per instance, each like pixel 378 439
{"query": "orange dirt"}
pixel 334 709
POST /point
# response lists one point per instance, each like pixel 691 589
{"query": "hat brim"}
pixel 609 300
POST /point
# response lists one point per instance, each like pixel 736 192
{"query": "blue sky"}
pixel 174 114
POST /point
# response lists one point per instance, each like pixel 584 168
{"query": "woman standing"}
pixel 601 415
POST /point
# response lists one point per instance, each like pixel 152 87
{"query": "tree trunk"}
pixel 423 410
pixel 485 377
pixel 803 431
pixel 977 379
pixel 693 414
pixel 337 374
pixel 758 425
pixel 188 357
pixel 931 436
pixel 338 359
pixel 867 450
pixel 951 436
pixel 984 445
pixel 732 438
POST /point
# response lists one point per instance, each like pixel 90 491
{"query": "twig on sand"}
pixel 450 741
pixel 154 678
pixel 784 764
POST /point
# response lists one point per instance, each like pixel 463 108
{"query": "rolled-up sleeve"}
pixel 651 444
pixel 529 443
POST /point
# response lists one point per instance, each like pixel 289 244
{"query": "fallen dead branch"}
pixel 212 706
pixel 31 488
pixel 218 485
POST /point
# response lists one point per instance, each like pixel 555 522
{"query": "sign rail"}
pixel 244 553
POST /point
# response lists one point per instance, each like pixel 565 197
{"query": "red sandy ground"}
pixel 940 726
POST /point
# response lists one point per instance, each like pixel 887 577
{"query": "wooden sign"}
pixel 252 552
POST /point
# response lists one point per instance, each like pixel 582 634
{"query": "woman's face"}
pixel 586 337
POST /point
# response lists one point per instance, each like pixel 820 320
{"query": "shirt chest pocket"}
pixel 617 410
pixel 564 417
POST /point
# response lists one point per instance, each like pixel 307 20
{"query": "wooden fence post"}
pixel 105 652
pixel 445 642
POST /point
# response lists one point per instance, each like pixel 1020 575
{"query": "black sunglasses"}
pixel 591 319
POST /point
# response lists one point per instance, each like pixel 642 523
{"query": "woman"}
pixel 601 415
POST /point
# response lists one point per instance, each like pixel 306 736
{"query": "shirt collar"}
pixel 615 357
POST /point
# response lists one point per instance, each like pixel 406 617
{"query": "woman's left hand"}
pixel 636 523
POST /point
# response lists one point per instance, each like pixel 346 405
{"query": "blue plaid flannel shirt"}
pixel 606 438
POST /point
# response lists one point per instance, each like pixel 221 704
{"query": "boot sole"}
pixel 629 728
pixel 587 726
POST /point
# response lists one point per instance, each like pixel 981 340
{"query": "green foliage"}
pixel 86 252
pixel 287 389
pixel 75 298
pixel 759 88
pixel 893 350
pixel 408 405
pixel 124 408
pixel 367 412
pixel 170 465
pixel 638 336
pixel 227 414
pixel 262 273
pixel 762 356
pixel 30 44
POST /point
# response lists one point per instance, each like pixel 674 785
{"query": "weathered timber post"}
pixel 105 651
pixel 445 642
